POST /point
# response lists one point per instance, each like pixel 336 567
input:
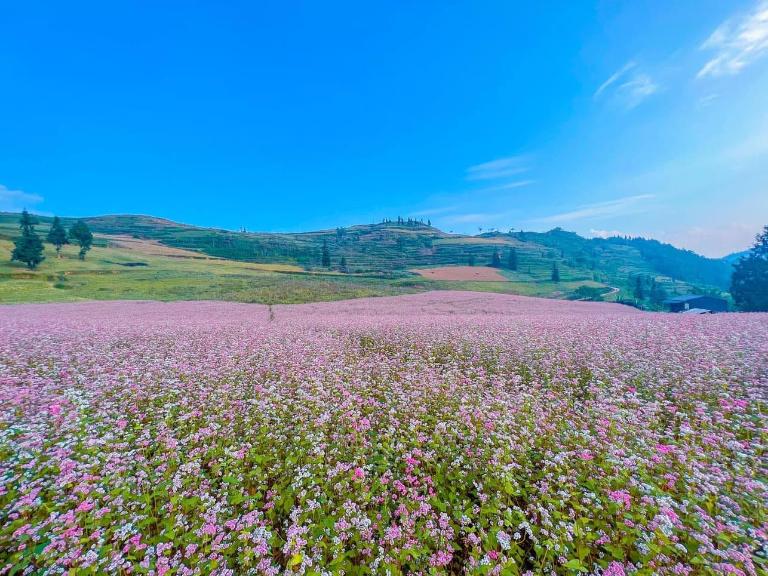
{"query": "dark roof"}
pixel 689 298
pixel 685 298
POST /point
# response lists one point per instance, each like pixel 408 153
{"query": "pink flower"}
pixel 392 533
pixel 586 455
pixel 21 531
pixel 121 424
pixel 622 497
pixel 441 558
pixel 359 473
pixel 209 529
pixel 614 569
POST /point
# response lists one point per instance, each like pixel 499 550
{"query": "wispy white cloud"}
pixel 637 89
pixel 618 207
pixel 614 78
pixel 16 200
pixel 705 101
pixel 505 186
pixel 737 42
pixel 501 168
pixel 628 85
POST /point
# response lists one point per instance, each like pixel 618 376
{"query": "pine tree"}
pixel 512 260
pixel 555 273
pixel 749 283
pixel 658 293
pixel 57 235
pixel 81 235
pixel 471 260
pixel 639 288
pixel 28 248
pixel 326 256
pixel 343 265
pixel 496 259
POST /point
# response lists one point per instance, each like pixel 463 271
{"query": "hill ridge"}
pixel 394 248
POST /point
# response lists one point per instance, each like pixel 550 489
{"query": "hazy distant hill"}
pixel 736 256
pixel 391 248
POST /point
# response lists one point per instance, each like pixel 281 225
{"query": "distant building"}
pixel 696 304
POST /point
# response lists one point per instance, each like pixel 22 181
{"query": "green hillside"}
pixel 379 260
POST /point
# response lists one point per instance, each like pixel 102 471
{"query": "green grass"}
pixel 103 276
pixel 253 267
pixel 391 248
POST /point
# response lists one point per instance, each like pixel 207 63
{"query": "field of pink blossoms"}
pixel 441 433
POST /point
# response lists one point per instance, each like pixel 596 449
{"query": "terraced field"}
pixel 391 249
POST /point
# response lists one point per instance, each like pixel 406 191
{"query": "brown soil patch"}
pixel 476 273
pixel 151 247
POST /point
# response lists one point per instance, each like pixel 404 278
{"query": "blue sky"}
pixel 637 117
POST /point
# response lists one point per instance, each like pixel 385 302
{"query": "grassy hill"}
pixel 147 257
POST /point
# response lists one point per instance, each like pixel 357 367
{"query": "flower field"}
pixel 440 433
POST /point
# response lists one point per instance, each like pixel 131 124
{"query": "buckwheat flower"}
pixel 622 497
pixel 503 539
pixel 614 569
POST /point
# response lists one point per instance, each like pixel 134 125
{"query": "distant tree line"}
pixel 28 248
pixel 678 263
pixel 407 221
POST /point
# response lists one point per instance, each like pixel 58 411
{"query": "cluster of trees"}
pixel 591 293
pixel 28 248
pixel 512 262
pixel 496 259
pixel 749 283
pixel 647 288
pixel 407 222
pixel 677 263
pixel 325 259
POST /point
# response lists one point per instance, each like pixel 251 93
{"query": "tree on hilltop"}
pixel 749 283
pixel 57 235
pixel 81 235
pixel 28 248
